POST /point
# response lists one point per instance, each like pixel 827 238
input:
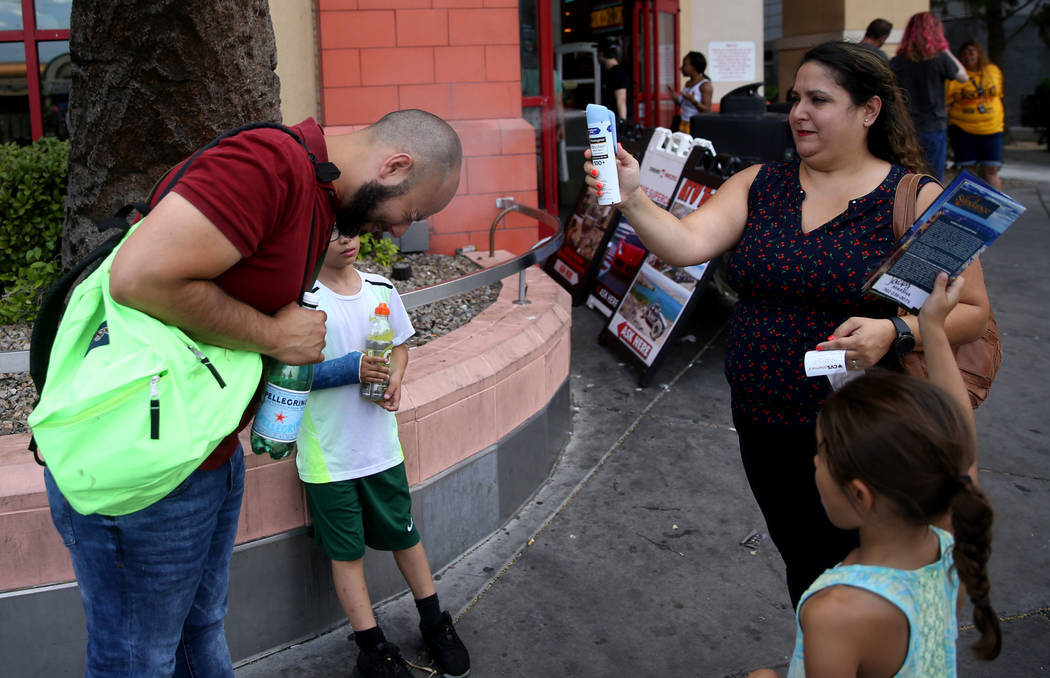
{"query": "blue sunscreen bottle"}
pixel 601 132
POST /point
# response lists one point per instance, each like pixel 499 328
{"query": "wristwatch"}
pixel 905 341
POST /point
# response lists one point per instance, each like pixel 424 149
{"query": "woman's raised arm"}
pixel 698 237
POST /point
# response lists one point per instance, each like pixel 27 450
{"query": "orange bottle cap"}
pixel 382 309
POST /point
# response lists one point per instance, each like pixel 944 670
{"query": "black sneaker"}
pixel 446 649
pixel 383 662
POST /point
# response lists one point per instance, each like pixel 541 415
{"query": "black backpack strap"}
pixel 325 172
pixel 120 217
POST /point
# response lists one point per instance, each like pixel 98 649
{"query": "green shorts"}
pixel 375 511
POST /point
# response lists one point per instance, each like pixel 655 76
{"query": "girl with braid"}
pixel 895 455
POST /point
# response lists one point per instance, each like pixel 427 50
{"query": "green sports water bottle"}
pixel 379 342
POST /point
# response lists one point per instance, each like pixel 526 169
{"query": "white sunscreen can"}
pixel 601 130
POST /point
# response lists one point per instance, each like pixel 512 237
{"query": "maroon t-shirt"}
pixel 260 190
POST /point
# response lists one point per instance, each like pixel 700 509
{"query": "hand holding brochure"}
pixel 948 237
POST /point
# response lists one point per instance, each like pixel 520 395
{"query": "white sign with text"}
pixel 731 61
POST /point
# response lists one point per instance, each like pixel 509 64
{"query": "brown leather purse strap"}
pixel 904 202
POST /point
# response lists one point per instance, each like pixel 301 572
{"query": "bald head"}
pixel 432 143
pixel 401 169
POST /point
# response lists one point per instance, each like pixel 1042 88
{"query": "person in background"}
pixel 695 96
pixel 614 79
pixel 875 36
pixel 805 234
pixel 352 466
pixel 894 455
pixel 975 115
pixel 922 65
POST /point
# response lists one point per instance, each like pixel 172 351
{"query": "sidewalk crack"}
pixel 1011 474
pixel 1043 612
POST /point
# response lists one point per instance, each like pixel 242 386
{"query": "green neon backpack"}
pixel 132 406
pixel 129 406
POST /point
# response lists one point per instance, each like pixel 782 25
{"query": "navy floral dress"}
pixel 795 288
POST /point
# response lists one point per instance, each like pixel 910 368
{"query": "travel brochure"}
pixel 967 217
pixel 660 293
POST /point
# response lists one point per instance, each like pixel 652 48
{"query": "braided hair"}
pixel 908 441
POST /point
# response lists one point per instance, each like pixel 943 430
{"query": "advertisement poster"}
pixel 585 237
pixel 661 296
pixel 659 293
pixel 661 167
pixel 575 265
pixel 623 257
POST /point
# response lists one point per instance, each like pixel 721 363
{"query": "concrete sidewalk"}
pixel 628 561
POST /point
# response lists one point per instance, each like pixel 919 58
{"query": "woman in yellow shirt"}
pixel 975 114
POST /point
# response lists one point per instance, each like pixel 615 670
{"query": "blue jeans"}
pixel 935 151
pixel 154 582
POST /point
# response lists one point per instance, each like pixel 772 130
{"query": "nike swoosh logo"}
pixel 410 524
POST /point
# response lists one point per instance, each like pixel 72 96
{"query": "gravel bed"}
pixel 431 321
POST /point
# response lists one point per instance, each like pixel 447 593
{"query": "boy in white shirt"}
pixel 351 462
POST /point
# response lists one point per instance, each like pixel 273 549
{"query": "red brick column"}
pixel 458 59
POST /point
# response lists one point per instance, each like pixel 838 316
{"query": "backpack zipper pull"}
pixel 154 408
pixel 207 363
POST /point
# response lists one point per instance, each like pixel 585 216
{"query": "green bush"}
pixel 32 199
pixel 378 249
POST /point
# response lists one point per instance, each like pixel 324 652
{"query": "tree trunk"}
pixel 152 81
pixel 993 21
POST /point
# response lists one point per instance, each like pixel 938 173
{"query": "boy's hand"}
pixel 392 398
pixel 940 303
pixel 374 369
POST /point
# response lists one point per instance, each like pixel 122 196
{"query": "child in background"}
pixel 351 463
pixel 895 454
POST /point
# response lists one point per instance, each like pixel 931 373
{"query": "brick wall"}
pixel 458 59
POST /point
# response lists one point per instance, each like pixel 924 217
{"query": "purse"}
pixel 978 360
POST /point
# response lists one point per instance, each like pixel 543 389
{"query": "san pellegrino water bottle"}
pixel 379 342
pixel 276 424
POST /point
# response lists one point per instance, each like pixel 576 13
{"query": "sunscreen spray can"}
pixel 601 131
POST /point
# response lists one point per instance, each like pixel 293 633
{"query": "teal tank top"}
pixel 927 597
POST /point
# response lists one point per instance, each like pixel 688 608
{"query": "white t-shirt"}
pixel 344 436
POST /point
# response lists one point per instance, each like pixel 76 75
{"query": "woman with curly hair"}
pixel 975 115
pixel 922 65
pixel 805 233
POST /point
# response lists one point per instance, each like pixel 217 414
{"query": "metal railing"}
pixel 18 361
pixel 486 276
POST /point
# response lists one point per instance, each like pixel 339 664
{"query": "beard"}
pixel 363 207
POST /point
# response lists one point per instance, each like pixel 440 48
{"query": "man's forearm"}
pixel 204 311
